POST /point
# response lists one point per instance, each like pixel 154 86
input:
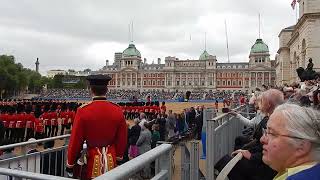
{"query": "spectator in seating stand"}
pixel 144 145
pixel 155 135
pixel 251 166
pixel 291 142
pixel 134 134
pixel 252 123
pixel 142 119
pixel 162 126
pixel 171 124
pixel 31 148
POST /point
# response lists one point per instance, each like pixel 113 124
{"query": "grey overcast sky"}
pixel 73 34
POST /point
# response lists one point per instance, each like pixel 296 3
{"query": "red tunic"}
pixel 101 124
pixel 46 119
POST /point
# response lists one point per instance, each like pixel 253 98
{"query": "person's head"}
pixel 257 103
pixel 136 121
pixel 142 115
pixel 292 137
pixel 270 99
pixel 98 84
pixel 31 146
pixel 145 126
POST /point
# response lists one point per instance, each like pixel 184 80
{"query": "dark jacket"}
pixel 134 134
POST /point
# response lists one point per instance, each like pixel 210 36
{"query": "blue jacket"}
pixel 312 173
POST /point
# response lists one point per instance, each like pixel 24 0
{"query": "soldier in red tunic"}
pixel 99 134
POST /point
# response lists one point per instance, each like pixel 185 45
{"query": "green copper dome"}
pixel 205 55
pixel 259 47
pixel 131 51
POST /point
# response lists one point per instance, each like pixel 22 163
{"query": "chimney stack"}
pixel 107 62
pixel 145 61
pixel 159 61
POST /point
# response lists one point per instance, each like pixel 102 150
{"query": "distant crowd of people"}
pixel 135 95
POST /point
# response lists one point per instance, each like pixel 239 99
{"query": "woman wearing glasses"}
pixel 291 142
pixel 251 166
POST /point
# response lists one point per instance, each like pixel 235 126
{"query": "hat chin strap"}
pixel 99 98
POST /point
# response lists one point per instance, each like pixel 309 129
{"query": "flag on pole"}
pixel 293 4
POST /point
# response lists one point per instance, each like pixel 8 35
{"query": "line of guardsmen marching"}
pixel 132 110
pixel 24 119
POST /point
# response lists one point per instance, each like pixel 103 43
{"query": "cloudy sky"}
pixel 73 34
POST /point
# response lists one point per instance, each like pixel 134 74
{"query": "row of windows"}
pixel 195 83
pixel 231 83
pixel 229 74
pixel 129 63
pixel 260 59
pixel 191 75
pixel 233 67
pixel 153 83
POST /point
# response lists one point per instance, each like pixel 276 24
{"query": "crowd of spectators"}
pixel 137 95
pixel 64 94
pixel 150 128
pixel 285 136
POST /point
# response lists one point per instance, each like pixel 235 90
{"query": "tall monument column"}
pixel 37 65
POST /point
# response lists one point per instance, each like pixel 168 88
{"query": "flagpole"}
pixel 296 14
pixel 225 26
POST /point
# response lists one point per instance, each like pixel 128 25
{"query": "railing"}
pixel 48 161
pixel 190 161
pixel 221 133
pixel 161 155
pixel 52 162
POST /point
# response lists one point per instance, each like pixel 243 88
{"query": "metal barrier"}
pixel 161 155
pixel 190 161
pixel 48 161
pixel 221 133
pixel 52 162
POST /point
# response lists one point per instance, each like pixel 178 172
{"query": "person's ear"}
pixel 304 148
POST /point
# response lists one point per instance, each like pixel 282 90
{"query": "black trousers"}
pixel 30 133
pixel 54 131
pixel 47 130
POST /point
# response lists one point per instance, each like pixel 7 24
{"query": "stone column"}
pixel 131 79
pixel 256 78
pixel 250 79
pixel 172 79
pixel 206 79
pixel 136 80
pixel 270 78
pixel 263 78
pixel 243 80
pixel 116 81
pixel 141 79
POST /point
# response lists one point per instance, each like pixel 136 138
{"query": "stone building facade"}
pixel 299 43
pixel 129 71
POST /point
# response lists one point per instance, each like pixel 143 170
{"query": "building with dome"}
pixel 299 43
pixel 130 71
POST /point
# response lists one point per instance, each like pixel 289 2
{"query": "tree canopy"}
pixel 15 79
